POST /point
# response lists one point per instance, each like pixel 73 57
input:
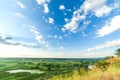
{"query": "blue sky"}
pixel 59 28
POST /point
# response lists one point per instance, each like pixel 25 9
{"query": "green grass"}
pixel 52 67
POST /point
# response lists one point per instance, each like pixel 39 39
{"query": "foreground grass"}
pixel 112 72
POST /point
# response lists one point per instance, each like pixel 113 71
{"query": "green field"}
pixel 50 67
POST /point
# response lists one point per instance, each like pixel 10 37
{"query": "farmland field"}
pixel 47 67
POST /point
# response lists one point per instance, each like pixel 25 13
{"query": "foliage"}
pixel 117 52
pixel 108 57
pixel 103 65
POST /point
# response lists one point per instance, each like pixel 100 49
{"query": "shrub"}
pixel 102 65
pixel 117 52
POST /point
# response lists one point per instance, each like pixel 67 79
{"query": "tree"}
pixel 117 52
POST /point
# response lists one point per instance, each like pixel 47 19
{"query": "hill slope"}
pixel 104 70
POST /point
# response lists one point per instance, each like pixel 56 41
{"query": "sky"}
pixel 59 28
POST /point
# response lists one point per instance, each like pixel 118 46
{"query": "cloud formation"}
pixel 21 4
pixel 38 36
pixel 44 3
pixel 9 41
pixel 46 10
pixel 89 7
pixel 109 27
pixel 104 10
pixel 3 38
pixel 61 7
pixel 20 15
pixel 107 44
pixel 51 20
pixel 66 20
pixel 40 2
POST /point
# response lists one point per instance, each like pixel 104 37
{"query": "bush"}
pixel 117 52
pixel 102 65
pixel 108 57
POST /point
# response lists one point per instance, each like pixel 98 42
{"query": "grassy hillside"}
pixel 108 69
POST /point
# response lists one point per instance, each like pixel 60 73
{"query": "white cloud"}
pixel 44 3
pixel 85 23
pixel 38 37
pixel 8 40
pixel 73 24
pixel 117 4
pixel 99 8
pixel 61 7
pixel 20 15
pixel 21 4
pixel 107 44
pixel 66 20
pixel 34 31
pixel 46 10
pixel 96 54
pixel 51 20
pixel 110 27
pixel 55 36
pixel 40 2
pixel 4 39
pixel 105 10
pixel 91 5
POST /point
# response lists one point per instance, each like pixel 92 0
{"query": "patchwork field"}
pixel 40 69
